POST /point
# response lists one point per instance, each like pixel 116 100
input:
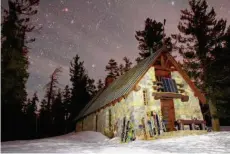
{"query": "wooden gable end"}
pixel 176 66
pixel 165 63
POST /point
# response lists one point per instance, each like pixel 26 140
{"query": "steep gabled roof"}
pixel 121 86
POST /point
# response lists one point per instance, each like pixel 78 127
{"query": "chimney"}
pixel 108 80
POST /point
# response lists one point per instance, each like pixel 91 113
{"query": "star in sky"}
pixel 65 9
pixel 72 21
pixel 96 30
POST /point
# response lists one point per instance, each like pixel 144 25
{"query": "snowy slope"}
pixel 95 143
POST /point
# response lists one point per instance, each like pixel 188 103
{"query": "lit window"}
pixel 169 85
pixel 145 96
pixel 166 85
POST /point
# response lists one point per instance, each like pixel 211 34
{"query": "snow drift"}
pixel 95 143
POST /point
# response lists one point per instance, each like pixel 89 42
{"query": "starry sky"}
pixel 96 30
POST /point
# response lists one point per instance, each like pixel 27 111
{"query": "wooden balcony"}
pixel 170 95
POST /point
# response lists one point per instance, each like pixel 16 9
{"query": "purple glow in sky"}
pixel 97 30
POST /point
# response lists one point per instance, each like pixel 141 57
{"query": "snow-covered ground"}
pixel 95 143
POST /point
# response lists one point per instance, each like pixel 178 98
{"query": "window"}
pixel 110 120
pixel 145 96
pixel 159 84
pixel 166 85
pixel 169 85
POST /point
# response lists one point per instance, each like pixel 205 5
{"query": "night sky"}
pixel 96 30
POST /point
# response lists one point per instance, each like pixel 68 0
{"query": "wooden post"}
pixel 193 126
pixel 96 121
pixel 181 126
pixel 203 126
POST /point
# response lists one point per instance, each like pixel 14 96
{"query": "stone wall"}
pixel 89 123
pixel 118 112
pixel 140 109
pixel 186 110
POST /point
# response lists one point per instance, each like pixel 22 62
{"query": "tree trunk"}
pixel 213 112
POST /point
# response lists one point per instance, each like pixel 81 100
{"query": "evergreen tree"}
pixel 44 120
pixel 202 32
pixel 112 68
pixel 91 88
pixel 219 79
pixel 100 85
pixel 121 69
pixel 79 94
pixel 58 115
pixel 67 106
pixel 51 88
pixel 16 24
pixel 25 106
pixel 124 68
pixel 128 64
pixel 31 116
pixel 151 38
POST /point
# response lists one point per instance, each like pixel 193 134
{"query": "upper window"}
pixel 145 96
pixel 166 85
pixel 169 85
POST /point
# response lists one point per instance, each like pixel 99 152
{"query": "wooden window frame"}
pixel 145 96
pixel 110 119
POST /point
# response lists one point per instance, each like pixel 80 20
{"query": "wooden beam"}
pixel 170 95
pixel 119 99
pixel 162 61
pixel 136 87
pixel 162 68
pixel 167 63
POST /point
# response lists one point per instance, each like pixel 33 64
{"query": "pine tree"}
pixel 44 121
pixel 112 68
pixel 31 116
pixel 128 64
pixel 124 68
pixel 219 70
pixel 151 38
pixel 100 85
pixel 25 106
pixel 121 69
pixel 14 58
pixel 79 94
pixel 202 32
pixel 58 115
pixel 51 88
pixel 91 88
pixel 67 107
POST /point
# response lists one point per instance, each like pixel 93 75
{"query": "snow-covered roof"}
pixel 121 86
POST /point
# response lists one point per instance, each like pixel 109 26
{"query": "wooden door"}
pixel 168 112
